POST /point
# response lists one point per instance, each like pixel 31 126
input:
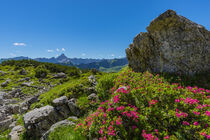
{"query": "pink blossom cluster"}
pixel 188 100
pixel 116 99
pixel 205 135
pixel 148 136
pixel 185 123
pixel 181 114
pixel 196 113
pixel 207 113
pixel 152 102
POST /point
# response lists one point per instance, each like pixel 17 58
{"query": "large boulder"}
pixel 172 44
pixel 38 121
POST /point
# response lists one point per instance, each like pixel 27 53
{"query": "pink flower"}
pixel 166 137
pixel 185 123
pixel 207 113
pixel 116 99
pixel 152 102
pixel 101 131
pixel 203 133
pixel 196 123
pixel 119 120
pixel 196 113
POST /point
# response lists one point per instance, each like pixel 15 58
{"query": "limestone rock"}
pixel 172 44
pixel 15 132
pixel 61 106
pixel 59 75
pixel 73 108
pixel 93 96
pixel 38 121
pixel 4 84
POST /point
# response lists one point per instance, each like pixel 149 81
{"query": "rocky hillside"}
pixel 46 101
pixel 173 44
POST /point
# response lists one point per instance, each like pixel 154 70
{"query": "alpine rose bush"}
pixel 145 106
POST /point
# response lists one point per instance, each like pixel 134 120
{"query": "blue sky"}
pixel 83 28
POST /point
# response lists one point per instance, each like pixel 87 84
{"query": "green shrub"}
pixel 145 106
pixel 41 72
pixel 105 84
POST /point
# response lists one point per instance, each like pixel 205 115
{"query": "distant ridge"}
pixel 87 63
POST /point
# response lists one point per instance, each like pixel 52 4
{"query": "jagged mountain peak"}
pixel 62 56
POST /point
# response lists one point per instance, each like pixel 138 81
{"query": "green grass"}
pixel 65 133
pixel 74 88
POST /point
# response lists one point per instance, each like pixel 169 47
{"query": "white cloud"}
pixel 57 50
pixel 19 44
pixel 83 54
pixel 63 50
pixel 50 51
pixel 112 55
pixel 12 54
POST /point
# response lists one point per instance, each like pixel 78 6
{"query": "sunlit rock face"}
pixel 173 44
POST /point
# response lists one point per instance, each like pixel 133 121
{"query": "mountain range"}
pixel 84 63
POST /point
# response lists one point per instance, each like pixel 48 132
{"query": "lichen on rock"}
pixel 172 44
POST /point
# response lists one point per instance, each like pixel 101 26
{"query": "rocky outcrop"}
pixel 173 44
pixel 38 121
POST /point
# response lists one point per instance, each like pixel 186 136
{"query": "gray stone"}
pixel 38 121
pixel 93 96
pixel 92 79
pixel 172 44
pixel 4 84
pixel 27 84
pixel 4 125
pixel 59 75
pixel 61 106
pixel 60 101
pixel 74 108
pixel 15 132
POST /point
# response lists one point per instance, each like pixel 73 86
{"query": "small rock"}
pixel 60 101
pixel 74 109
pixel 59 75
pixel 27 84
pixel 15 132
pixel 92 96
pixel 4 84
